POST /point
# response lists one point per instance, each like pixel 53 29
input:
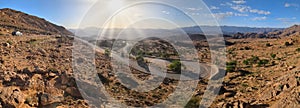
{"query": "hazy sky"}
pixel 253 13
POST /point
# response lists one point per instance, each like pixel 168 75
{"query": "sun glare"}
pixel 115 4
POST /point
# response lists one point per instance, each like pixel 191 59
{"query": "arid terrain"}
pixel 36 70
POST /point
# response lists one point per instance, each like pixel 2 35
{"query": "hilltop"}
pixel 11 20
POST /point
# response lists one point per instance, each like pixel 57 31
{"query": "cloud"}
pixel 195 13
pixel 244 8
pixel 290 5
pixel 260 11
pixel 166 12
pixel 227 14
pixel 194 9
pixel 214 8
pixel 238 14
pixel 286 20
pixel 239 1
pixel 241 8
pixel 259 18
pixel 223 15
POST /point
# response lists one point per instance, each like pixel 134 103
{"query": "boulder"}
pixel 11 97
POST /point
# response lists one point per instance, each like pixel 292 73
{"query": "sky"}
pixel 251 13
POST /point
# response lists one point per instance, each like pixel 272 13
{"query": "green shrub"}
pixel 246 62
pixel 298 49
pixel 244 84
pixel 253 60
pixel 273 56
pixel 231 66
pixel 107 52
pixel 263 62
pixel 231 63
pixel 175 66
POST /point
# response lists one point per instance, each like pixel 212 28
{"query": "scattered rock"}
pixel 51 74
pixel 42 51
pixel 6 44
pixel 11 97
pixel 291 67
pixel 73 92
pixel 48 99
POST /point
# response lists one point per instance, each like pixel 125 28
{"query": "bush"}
pixel 231 63
pixel 175 66
pixel 298 49
pixel 231 66
pixel 273 56
pixel 246 62
pixel 253 60
pixel 263 62
pixel 107 52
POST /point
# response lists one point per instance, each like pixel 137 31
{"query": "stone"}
pixel 32 101
pixel 285 87
pixel 73 92
pixel 51 74
pixel 11 97
pixel 291 67
pixel 6 44
pixel 7 78
pixel 228 94
pixel 36 82
pixel 236 105
pixel 48 99
pixel 42 51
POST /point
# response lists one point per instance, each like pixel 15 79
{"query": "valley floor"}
pixel 37 71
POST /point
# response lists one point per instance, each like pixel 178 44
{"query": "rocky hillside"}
pixel 11 20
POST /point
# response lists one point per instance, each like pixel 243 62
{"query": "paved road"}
pixel 206 70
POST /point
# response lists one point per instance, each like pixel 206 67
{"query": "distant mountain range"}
pixel 11 20
pixel 227 30
pixel 291 31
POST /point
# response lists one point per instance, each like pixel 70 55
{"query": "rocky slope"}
pixel 11 20
pixel 36 71
pixel 254 83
